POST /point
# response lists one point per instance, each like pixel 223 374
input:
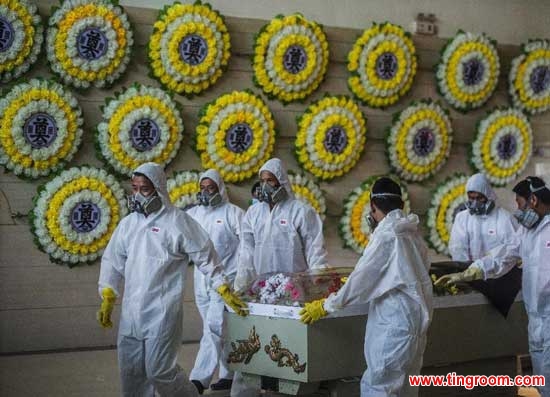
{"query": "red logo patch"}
pixel 283 222
pixel 155 229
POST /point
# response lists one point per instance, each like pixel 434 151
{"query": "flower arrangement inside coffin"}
pixel 295 289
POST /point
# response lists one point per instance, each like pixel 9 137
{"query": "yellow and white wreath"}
pixel 503 145
pixel 235 135
pixel 331 137
pixel 40 128
pixel 75 214
pixel 21 37
pixel 309 192
pixel 183 188
pixel 447 200
pixel 419 141
pixel 140 125
pixel 382 64
pixel 529 79
pixel 468 70
pixel 189 48
pixel 290 58
pixel 89 42
pixel 354 228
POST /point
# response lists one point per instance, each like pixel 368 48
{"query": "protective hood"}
pixel 480 184
pixel 156 175
pixel 217 178
pixel 276 167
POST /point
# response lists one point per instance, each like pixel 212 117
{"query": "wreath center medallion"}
pixel 386 66
pixel 295 59
pixel 85 217
pixel 92 43
pixel 193 49
pixel 7 34
pixel 424 142
pixel 145 134
pixel 539 79
pixel 40 130
pixel 239 137
pixel 336 139
pixel 507 147
pixel 473 71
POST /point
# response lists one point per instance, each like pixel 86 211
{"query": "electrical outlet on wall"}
pixel 425 24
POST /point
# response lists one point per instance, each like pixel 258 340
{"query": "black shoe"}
pixel 222 384
pixel 198 385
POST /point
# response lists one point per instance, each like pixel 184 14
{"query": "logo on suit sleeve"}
pixel 491 232
pixel 219 222
pixel 155 229
pixel 283 222
pixel 548 244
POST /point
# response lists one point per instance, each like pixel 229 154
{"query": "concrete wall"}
pixel 44 306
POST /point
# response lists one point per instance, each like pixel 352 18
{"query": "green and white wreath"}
pixel 40 128
pixel 89 42
pixel 189 48
pixel 235 135
pixel 382 64
pixel 529 79
pixel 21 37
pixel 503 145
pixel 309 192
pixel 354 228
pixel 141 124
pixel 447 200
pixel 75 214
pixel 468 70
pixel 419 141
pixel 331 137
pixel 183 188
pixel 290 58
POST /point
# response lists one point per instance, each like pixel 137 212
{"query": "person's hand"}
pixel 232 300
pixel 343 279
pixel 107 305
pixel 313 311
pixel 471 274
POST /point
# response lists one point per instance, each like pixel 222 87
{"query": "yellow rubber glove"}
pixel 232 300
pixel 471 274
pixel 107 305
pixel 313 311
pixel 344 279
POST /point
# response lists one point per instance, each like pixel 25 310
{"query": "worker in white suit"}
pixel 392 278
pixel 484 231
pixel 532 246
pixel 279 234
pixel 222 221
pixel 150 250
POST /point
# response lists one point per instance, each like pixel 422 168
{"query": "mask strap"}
pixel 385 195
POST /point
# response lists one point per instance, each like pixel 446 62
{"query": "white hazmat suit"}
pixel 392 277
pixel 222 223
pixel 151 254
pixel 486 239
pixel 287 238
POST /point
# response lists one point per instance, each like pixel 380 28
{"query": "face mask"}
pixel 527 217
pixel 144 205
pixel 476 207
pixel 272 195
pixel 371 222
pixel 209 199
